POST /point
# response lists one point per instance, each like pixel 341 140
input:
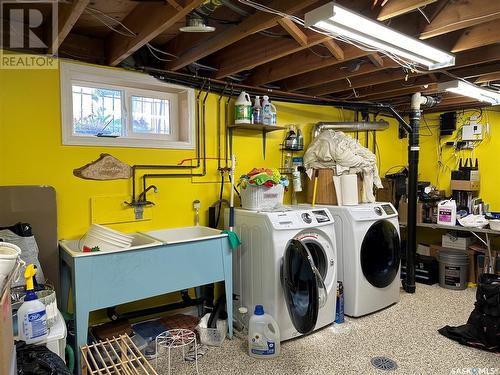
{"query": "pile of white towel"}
pixel 336 150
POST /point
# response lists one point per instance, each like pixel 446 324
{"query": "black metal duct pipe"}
pixel 417 100
pixel 411 242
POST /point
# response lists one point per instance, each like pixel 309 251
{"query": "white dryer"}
pixel 368 245
pixel 288 263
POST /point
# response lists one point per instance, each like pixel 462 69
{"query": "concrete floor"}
pixel 405 332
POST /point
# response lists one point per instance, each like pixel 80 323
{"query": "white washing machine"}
pixel 368 245
pixel 288 263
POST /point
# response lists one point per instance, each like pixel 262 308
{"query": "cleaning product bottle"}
pixel 31 316
pixel 339 309
pixel 300 140
pixel 243 109
pixel 263 335
pixel 257 111
pixel 447 212
pixel 268 112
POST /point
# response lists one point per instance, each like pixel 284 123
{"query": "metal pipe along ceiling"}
pixel 350 126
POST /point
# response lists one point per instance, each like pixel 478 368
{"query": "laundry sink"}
pixel 184 234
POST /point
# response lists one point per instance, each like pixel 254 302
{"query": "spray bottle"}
pixel 31 316
pixel 257 111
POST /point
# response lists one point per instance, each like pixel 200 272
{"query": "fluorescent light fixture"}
pixel 342 22
pixel 470 90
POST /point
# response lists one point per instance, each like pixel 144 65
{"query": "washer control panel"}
pixel 298 219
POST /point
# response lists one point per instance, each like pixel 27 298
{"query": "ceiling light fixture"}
pixel 340 21
pixel 196 24
pixel 471 90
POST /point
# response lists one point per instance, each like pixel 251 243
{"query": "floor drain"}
pixel 384 363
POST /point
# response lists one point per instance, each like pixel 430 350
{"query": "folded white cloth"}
pixel 336 150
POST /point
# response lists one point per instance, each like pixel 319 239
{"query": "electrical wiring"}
pixel 362 46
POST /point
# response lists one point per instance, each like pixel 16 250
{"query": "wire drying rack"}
pixel 118 355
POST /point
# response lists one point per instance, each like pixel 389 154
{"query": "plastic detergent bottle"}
pixel 268 112
pixel 243 109
pixel 257 111
pixel 447 212
pixel 263 335
pixel 31 316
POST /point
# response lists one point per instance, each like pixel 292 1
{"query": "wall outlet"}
pixel 473 132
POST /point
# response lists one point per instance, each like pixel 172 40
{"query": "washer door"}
pixel 380 254
pixel 303 287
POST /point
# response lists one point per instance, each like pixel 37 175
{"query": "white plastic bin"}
pixel 262 197
pixel 213 336
pixel 56 340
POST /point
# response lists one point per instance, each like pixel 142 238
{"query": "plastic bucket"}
pixel 453 268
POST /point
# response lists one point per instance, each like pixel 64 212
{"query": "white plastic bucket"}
pixel 9 253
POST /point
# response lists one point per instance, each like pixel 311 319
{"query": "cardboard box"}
pixel 423 249
pixel 325 191
pixel 464 185
pixel 387 193
pixel 6 334
pixel 403 212
pixel 459 243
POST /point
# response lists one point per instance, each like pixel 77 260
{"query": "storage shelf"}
pixel 260 127
pixel 455 227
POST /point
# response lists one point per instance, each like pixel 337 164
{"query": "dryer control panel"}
pixel 298 219
pixel 373 211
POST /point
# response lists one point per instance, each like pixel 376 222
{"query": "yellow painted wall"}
pixel 487 153
pixel 31 153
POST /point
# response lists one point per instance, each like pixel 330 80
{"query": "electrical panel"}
pixel 472 132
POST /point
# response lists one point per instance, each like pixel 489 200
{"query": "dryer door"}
pixel 303 287
pixel 380 254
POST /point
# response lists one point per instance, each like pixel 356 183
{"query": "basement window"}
pixel 108 107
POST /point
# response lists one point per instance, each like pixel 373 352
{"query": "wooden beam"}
pixel 252 52
pixel 392 88
pixel 147 21
pixel 252 24
pixel 331 74
pixel 294 31
pixel 334 49
pixel 395 8
pixel 299 63
pixel 488 78
pixel 67 17
pixel 376 60
pixel 83 48
pixel 357 82
pixel 175 5
pixel 478 36
pixel 461 14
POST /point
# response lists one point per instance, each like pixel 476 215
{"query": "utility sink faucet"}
pixel 141 202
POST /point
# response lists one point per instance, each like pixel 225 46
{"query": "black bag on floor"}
pixel 482 330
pixel 38 360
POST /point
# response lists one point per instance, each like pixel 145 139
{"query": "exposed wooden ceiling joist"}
pixel 489 77
pixel 376 59
pixel 250 25
pixel 67 16
pixel 395 8
pixel 478 36
pixel 252 52
pixel 461 14
pixel 299 63
pixel 333 73
pixel 415 84
pixel 147 21
pixel 334 49
pixel 84 48
pixel 357 82
pixel 294 31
